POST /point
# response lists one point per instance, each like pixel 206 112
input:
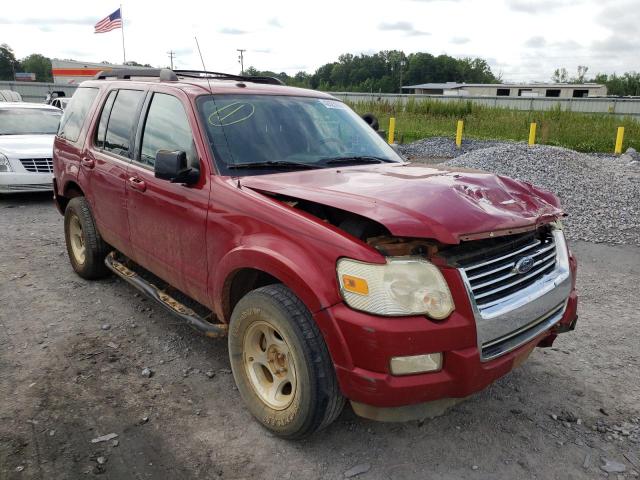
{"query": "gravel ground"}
pixel 443 147
pixel 73 355
pixel 601 193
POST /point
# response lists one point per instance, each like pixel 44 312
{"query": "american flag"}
pixel 108 23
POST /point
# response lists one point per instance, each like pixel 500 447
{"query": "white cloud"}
pixel 602 34
pixel 401 26
pixel 536 41
pixel 460 40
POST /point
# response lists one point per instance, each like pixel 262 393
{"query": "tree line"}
pixel 386 71
pixel 34 63
pixel 383 72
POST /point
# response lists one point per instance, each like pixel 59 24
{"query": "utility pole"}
pixel 171 54
pixel 241 59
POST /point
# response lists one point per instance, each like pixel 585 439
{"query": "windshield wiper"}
pixel 272 164
pixel 355 159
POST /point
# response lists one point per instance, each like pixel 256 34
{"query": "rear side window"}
pixel 166 128
pixel 104 119
pixel 121 122
pixel 76 113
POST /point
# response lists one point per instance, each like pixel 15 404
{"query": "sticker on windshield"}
pixel 332 104
pixel 231 114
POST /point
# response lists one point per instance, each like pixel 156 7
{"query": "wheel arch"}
pixel 70 190
pixel 245 269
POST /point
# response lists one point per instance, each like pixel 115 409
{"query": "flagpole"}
pixel 124 57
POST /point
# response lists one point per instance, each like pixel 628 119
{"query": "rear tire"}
pixel 85 247
pixel 281 364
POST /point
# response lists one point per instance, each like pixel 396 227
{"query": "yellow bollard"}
pixel 619 139
pixel 532 134
pixel 392 129
pixel 459 133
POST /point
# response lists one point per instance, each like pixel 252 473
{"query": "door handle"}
pixel 137 184
pixel 88 162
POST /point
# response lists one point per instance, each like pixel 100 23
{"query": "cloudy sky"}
pixel 522 40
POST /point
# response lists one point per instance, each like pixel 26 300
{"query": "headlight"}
pixel 402 286
pixel 562 251
pixel 5 166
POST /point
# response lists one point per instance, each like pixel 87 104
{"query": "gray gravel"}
pixel 601 193
pixel 443 147
pixel 176 427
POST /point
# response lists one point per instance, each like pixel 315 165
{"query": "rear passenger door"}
pixel 106 162
pixel 167 220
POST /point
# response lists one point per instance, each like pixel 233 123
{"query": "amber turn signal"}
pixel 355 284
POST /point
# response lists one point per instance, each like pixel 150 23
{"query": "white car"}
pixel 27 131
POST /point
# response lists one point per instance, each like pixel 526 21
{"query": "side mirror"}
pixel 371 119
pixel 172 166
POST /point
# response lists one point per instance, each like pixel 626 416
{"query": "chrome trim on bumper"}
pixel 518 318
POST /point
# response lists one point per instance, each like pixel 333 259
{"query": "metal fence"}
pixel 616 106
pixel 36 91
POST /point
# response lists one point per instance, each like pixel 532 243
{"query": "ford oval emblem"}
pixel 524 265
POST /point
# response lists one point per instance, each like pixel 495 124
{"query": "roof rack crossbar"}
pixel 168 75
pixel 228 76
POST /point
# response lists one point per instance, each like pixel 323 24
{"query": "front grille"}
pixel 37 165
pixel 493 279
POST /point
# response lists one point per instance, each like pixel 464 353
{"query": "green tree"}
pixel 627 84
pixel 560 75
pixel 133 63
pixel 386 70
pixel 8 63
pixel 38 64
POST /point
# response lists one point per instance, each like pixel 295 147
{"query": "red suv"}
pixel 338 270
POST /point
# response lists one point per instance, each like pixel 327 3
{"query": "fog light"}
pixel 431 362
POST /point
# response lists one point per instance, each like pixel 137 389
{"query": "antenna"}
pixel 214 102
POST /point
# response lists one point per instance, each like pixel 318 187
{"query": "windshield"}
pixel 266 134
pixel 26 121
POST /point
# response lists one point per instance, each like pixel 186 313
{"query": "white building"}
pixel 553 90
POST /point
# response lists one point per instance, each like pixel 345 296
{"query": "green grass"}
pixel 584 132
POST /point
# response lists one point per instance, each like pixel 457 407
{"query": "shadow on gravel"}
pixel 15 200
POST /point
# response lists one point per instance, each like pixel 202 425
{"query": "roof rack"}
pixel 228 76
pixel 168 75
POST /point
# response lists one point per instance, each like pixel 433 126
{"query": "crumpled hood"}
pixel 419 201
pixel 27 146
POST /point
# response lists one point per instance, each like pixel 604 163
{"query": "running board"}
pixel 190 317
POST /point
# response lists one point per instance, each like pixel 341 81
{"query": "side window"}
pixel 76 113
pixel 166 128
pixel 104 119
pixel 122 121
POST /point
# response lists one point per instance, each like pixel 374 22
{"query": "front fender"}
pixel 314 282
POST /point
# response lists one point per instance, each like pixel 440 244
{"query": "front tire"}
pixel 281 364
pixel 85 246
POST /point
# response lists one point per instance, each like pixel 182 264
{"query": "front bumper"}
pixel 19 182
pixel 362 345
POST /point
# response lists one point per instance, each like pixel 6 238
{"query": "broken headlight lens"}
pixel 402 286
pixel 5 166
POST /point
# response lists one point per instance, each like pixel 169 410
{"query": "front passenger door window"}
pixel 166 128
